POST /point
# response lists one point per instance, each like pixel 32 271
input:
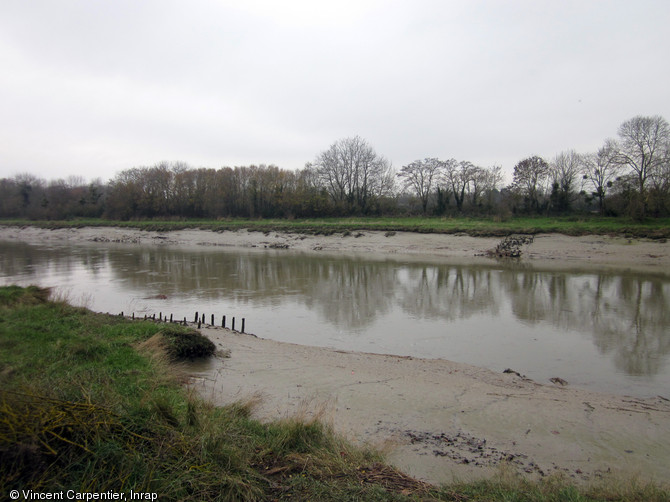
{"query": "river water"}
pixel 605 330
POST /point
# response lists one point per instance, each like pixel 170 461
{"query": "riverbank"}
pixel 442 421
pixel 438 420
pixel 550 250
pixel 95 404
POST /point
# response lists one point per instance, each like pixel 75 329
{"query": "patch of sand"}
pixel 593 251
pixel 439 420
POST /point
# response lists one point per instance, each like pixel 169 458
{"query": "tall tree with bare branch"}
pixel 600 170
pixel 530 175
pixel 564 171
pixel 354 174
pixel 421 176
pixel 643 147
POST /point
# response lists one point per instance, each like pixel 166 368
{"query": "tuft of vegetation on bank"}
pixel 92 402
pixel 657 228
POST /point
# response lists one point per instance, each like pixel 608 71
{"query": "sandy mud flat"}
pixel 437 420
pixel 547 249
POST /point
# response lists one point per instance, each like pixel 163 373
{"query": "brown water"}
pixel 604 330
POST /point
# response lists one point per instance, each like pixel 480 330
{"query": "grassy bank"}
pixel 90 402
pixel 652 228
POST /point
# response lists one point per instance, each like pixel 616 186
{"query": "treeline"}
pixel 629 176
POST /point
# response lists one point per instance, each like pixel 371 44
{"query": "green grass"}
pixel 573 225
pixel 92 402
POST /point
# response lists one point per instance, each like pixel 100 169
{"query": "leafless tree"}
pixel 659 183
pixel 483 180
pixel 353 173
pixel 644 147
pixel 530 176
pixel 601 169
pixel 564 171
pixel 421 176
pixel 458 176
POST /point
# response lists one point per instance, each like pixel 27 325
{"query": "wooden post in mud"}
pixel 233 328
pixel 212 320
pixel 243 325
pixel 184 321
pixel 170 318
pixel 133 316
pixel 223 322
pixel 154 317
pixel 199 323
pixel 160 316
pixel 196 317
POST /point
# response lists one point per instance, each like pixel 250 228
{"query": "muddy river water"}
pixel 606 330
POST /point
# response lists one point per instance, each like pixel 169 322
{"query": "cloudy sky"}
pixel 93 87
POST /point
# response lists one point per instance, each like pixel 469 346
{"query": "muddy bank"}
pixel 439 420
pixel 553 250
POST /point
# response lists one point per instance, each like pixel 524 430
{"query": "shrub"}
pixel 186 343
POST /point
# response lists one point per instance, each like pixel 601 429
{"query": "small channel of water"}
pixel 605 330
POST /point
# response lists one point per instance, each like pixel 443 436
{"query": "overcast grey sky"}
pixel 92 87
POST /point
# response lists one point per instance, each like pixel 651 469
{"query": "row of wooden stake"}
pixel 198 319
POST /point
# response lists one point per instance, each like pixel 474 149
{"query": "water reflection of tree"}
pixel 351 295
pixel 34 263
pixel 345 291
pixel 627 315
pixel 448 292
pixel 643 314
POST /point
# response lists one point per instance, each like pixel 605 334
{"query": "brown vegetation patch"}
pixel 393 480
pixel 510 246
pixel 36 431
pixel 179 343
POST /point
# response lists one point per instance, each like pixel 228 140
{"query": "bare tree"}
pixel 530 175
pixel 421 176
pixel 644 146
pixel 660 180
pixel 458 176
pixel 353 173
pixel 483 180
pixel 564 171
pixel 601 169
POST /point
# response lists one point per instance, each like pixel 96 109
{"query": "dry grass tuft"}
pixel 32 295
pixel 36 431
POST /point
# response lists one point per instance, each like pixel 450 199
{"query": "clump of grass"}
pixel 186 343
pixel 11 295
pixel 508 485
pixel 37 431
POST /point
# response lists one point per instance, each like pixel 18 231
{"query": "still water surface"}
pixel 606 330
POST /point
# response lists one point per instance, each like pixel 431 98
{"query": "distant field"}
pixel 652 228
